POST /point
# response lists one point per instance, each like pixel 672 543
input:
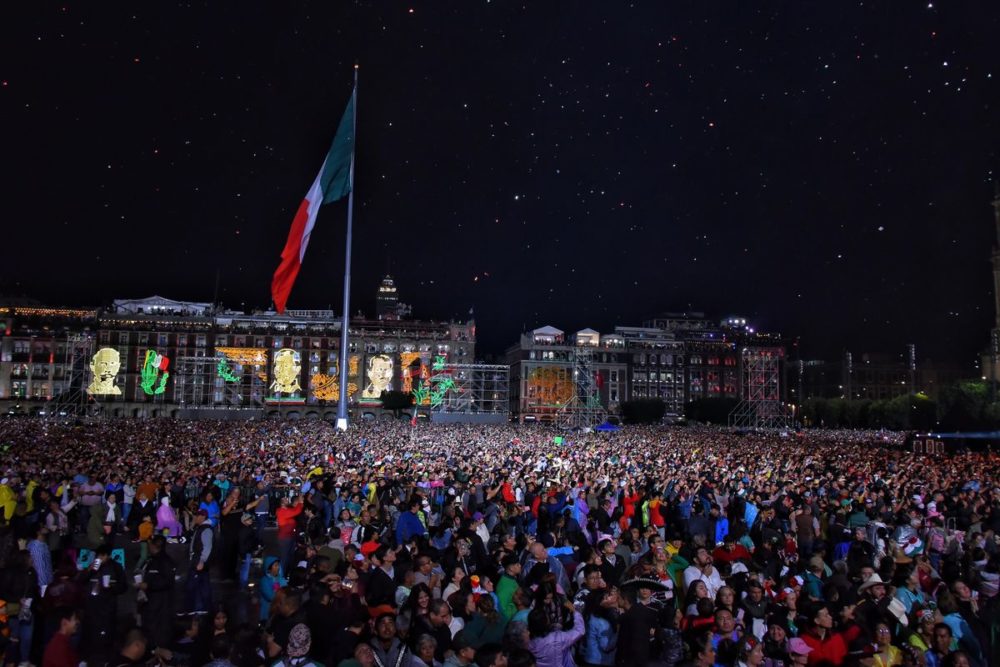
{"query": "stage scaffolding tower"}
pixel 476 388
pixel 73 398
pixel 584 410
pixel 220 381
pixel 760 405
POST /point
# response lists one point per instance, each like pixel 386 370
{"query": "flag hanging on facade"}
pixel 332 183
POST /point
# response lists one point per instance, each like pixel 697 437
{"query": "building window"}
pixel 200 340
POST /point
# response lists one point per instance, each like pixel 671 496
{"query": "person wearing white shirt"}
pixel 703 569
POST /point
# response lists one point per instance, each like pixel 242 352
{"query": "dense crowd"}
pixel 289 543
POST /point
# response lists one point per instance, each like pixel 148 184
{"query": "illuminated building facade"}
pixel 157 357
pixel 674 357
pixel 542 367
pixel 387 300
pixel 39 346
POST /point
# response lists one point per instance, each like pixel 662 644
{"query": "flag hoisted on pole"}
pixel 342 405
pixel 334 180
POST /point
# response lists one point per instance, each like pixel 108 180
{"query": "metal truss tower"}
pixel 475 389
pixel 199 383
pixel 584 410
pixel 73 399
pixel 760 405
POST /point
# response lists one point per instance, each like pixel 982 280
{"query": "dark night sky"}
pixel 822 168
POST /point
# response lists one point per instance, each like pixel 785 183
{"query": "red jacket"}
pixel 739 552
pixel 60 652
pixel 831 650
pixel 286 520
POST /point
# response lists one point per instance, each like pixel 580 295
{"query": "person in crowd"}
pixel 798 550
pixel 601 617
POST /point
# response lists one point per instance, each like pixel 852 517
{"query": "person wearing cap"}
pixel 873 604
pixel 199 586
pixel 295 652
pixel 798 651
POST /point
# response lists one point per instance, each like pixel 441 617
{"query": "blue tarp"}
pixel 608 426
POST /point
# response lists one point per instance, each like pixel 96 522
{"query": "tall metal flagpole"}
pixel 345 322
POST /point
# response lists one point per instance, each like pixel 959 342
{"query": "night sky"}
pixel 824 169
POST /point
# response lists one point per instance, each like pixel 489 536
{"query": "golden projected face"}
pixel 287 367
pixel 379 376
pixel 105 365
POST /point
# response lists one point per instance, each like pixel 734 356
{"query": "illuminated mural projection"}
pixel 437 384
pixel 287 367
pixel 105 366
pixel 225 371
pixel 154 373
pixel 233 359
pixel 326 387
pixel 379 377
pixel 409 368
pixel 551 386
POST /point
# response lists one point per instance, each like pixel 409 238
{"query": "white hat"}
pixel 899 611
pixel 873 580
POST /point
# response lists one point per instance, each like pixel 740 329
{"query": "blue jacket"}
pixel 409 524
pixel 600 643
pixel 721 529
pixel 269 586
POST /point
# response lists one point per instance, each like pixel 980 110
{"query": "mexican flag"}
pixel 157 361
pixel 334 181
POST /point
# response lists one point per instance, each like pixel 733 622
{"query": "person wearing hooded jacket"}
pixel 272 581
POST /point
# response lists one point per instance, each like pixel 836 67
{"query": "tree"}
pixel 965 406
pixel 396 401
pixel 710 410
pixel 643 411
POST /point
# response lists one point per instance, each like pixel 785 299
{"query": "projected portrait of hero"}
pixel 287 367
pixel 379 376
pixel 105 365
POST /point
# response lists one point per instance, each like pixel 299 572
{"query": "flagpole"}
pixel 344 325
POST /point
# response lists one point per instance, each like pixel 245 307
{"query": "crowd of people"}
pixel 252 543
